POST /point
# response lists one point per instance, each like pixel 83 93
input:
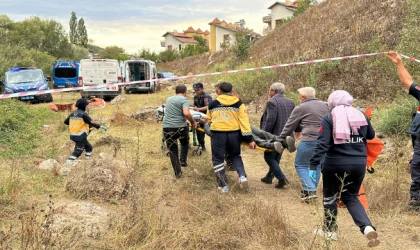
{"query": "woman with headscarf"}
pixel 342 139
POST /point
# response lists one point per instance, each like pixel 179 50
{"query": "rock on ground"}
pixel 49 165
pixel 81 218
pixel 119 99
pixel 67 168
pixel 104 179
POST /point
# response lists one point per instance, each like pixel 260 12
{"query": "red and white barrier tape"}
pixel 40 92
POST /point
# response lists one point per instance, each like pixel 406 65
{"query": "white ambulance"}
pixel 100 71
pixel 138 69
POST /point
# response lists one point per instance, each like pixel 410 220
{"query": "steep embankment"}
pixel 333 28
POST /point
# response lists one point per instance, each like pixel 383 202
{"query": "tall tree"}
pixel 73 28
pixel 82 33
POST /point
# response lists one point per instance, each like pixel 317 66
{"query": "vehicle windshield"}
pixel 24 76
pixel 167 74
pixel 65 72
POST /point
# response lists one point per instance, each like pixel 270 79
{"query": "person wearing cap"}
pixel 414 90
pixel 229 125
pixel 276 114
pixel 201 103
pixel 306 118
pixel 174 125
pixel 79 124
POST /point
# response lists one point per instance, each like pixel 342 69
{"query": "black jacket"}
pixel 349 153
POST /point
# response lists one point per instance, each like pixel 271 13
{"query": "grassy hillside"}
pixel 333 28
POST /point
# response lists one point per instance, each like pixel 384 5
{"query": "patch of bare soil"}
pixel 79 219
pixel 145 113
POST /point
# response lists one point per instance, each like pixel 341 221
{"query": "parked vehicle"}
pixel 166 74
pixel 139 70
pixel 21 79
pixel 100 71
pixel 65 74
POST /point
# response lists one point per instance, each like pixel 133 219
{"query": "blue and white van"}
pixel 22 79
pixel 65 74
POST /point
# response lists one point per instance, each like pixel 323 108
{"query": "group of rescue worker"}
pixel 333 136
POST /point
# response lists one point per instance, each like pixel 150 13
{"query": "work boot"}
pixel 414 205
pixel 267 179
pixel 282 182
pixel 289 144
pixel 278 147
pixel 184 163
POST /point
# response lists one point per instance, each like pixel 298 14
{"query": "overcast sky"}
pixel 134 24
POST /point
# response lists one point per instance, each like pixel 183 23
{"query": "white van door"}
pixel 99 71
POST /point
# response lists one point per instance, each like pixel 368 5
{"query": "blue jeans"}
pixel 303 157
pixel 273 161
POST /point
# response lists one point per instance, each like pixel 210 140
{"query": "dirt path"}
pixel 397 229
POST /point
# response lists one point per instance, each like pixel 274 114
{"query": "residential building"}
pixel 222 34
pixel 177 41
pixel 279 12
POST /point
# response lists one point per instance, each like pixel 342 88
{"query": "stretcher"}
pixel 373 148
pixel 244 143
pixel 197 116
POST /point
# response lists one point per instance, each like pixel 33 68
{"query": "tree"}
pixel 303 5
pixel 82 33
pixel 5 27
pixel 43 35
pixel 111 52
pixel 242 42
pixel 79 53
pixel 16 55
pixel 73 28
pixel 168 55
pixel 147 54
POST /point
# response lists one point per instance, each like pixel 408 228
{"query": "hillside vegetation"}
pixel 330 29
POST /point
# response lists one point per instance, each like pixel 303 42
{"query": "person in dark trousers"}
pixel 201 103
pixel 414 90
pixel 307 115
pixel 229 126
pixel 342 140
pixel 174 125
pixel 276 113
pixel 79 124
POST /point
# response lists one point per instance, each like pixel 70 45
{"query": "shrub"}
pixel 396 118
pixel 20 127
